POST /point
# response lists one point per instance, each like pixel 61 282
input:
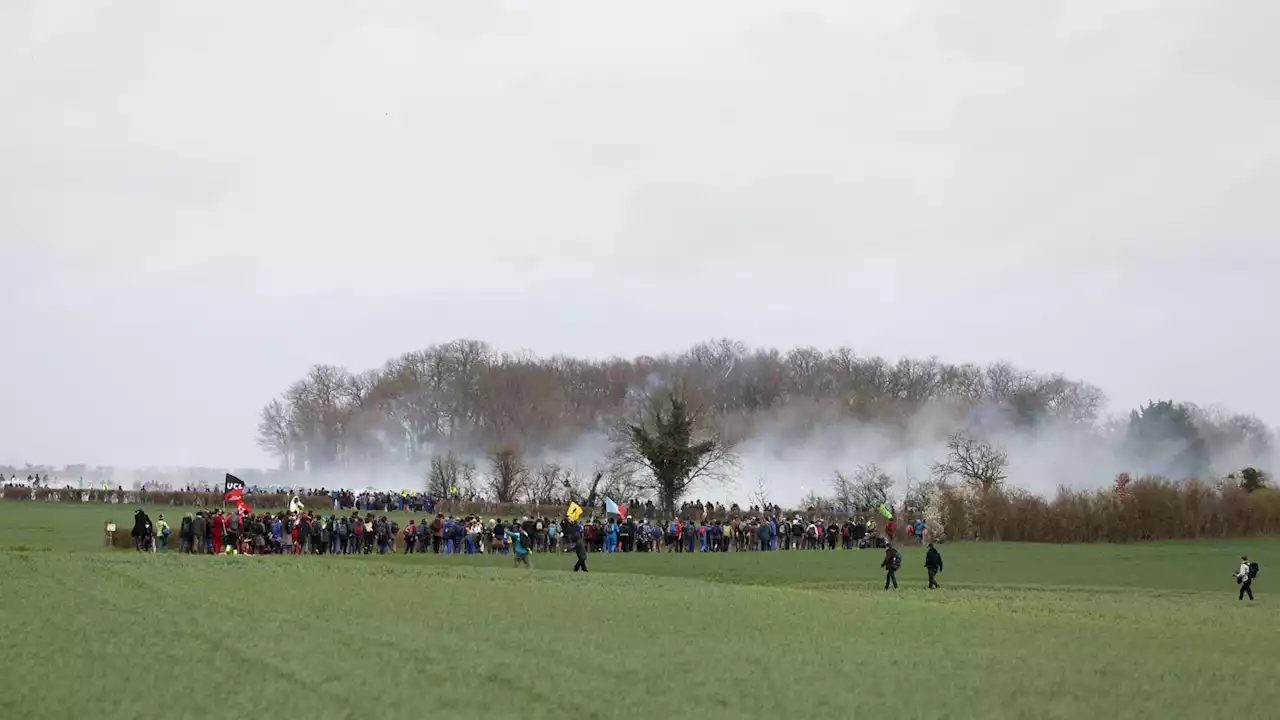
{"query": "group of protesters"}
pixel 303 532
pixel 748 534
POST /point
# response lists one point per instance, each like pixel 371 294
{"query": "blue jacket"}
pixel 516 544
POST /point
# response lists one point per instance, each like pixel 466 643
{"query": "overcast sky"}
pixel 199 200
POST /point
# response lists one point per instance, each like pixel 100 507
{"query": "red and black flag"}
pixel 232 488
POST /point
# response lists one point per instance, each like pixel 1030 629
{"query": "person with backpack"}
pixel 162 533
pixel 892 561
pixel 933 563
pixel 319 535
pixel 764 533
pixel 520 544
pixel 410 534
pixel 611 536
pixel 1245 575
pixel 343 532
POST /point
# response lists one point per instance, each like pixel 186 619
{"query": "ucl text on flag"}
pixel 232 488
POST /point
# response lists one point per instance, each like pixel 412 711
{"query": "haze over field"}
pixel 202 202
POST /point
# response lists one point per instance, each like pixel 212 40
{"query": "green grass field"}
pixel 1025 631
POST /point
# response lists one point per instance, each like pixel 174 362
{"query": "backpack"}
pixel 896 562
pixel 524 539
pixel 1253 570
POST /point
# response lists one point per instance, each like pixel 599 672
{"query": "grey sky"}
pixel 198 200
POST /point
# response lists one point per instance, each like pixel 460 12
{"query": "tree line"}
pixel 468 418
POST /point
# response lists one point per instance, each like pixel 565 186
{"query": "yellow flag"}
pixel 574 512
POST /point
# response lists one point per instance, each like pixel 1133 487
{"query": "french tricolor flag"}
pixel 613 508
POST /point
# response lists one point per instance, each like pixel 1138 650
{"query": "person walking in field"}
pixel 520 542
pixel 933 563
pixel 892 561
pixel 1245 575
pixel 573 536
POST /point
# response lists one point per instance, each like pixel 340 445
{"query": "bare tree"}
pixel 867 488
pixel 978 464
pixel 760 496
pixel 871 486
pixel 276 433
pixel 621 484
pixel 813 501
pixel 449 474
pixel 507 474
pixel 546 484
pixel 842 490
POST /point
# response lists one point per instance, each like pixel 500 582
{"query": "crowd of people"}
pixel 351 533
pixel 302 533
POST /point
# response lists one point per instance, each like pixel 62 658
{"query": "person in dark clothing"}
pixel 859 532
pixel 933 563
pixel 530 528
pixel 184 534
pixel 892 561
pixel 258 535
pixel 142 531
pixel 626 536
pixel 573 536
pixel 318 531
pixel 199 533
